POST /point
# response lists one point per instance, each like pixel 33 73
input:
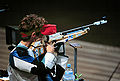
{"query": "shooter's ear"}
pixel 33 35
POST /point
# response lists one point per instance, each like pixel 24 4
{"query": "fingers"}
pixel 50 48
pixel 51 43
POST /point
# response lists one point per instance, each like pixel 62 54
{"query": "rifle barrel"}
pixel 77 28
pixel 95 23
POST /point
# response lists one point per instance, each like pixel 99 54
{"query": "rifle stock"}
pixel 69 36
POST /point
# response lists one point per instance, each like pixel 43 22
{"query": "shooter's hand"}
pixel 50 48
pixel 50 58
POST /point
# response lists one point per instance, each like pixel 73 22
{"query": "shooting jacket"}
pixel 22 59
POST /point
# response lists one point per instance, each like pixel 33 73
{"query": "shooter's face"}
pixel 38 36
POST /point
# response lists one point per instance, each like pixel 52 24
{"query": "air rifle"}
pixel 71 34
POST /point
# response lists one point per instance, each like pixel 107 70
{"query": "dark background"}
pixel 67 14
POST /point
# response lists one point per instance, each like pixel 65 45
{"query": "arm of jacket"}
pixel 60 63
pixel 59 68
pixel 49 60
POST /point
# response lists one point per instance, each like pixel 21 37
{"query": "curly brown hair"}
pixel 31 23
